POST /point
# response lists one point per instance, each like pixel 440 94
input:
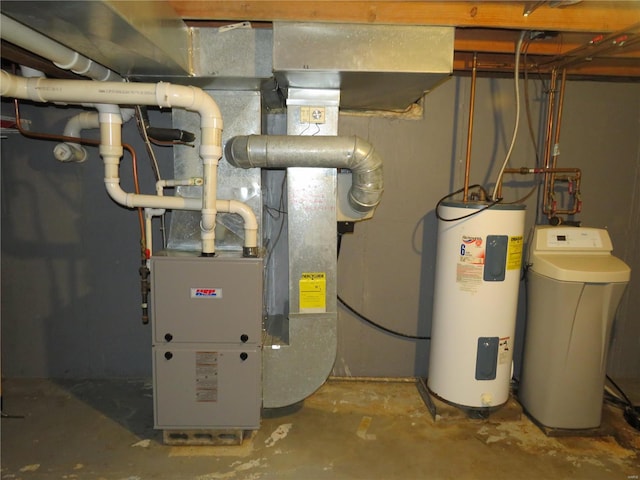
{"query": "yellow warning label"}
pixel 313 292
pixel 514 252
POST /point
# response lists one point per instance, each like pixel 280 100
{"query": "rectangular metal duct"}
pixel 384 67
pixel 129 37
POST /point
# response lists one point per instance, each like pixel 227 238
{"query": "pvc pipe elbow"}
pixel 248 217
pixel 82 121
pixel 115 191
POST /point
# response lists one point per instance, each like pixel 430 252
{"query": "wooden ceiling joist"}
pixel 587 16
pixel 490 28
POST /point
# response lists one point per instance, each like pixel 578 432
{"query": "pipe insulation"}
pixel 63 57
pixel 283 151
pixel 106 96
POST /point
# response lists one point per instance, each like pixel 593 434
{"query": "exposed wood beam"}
pixel 588 16
pixel 491 63
pixel 504 41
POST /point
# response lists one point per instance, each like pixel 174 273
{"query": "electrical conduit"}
pixel 106 96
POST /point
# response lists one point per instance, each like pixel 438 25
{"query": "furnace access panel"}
pixel 207 333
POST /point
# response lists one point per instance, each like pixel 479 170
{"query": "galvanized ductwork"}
pixel 286 151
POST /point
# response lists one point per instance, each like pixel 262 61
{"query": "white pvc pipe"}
pixel 250 221
pixel 63 57
pixel 149 213
pixel 224 206
pixel 111 151
pixel 161 94
pixel 74 152
pixel 188 182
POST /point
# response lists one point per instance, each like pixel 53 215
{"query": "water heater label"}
pixel 469 277
pixel 504 351
pixel 514 252
pixel 206 293
pixel 313 292
pixel 472 250
pixel 470 263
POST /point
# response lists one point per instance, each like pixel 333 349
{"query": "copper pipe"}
pixel 548 206
pixel 86 141
pixel 549 136
pixel 597 46
pixel 577 177
pixel 472 101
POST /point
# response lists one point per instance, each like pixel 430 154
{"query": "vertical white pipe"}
pixel 149 213
pixel 74 152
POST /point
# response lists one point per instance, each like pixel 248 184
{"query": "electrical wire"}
pixel 527 104
pixel 365 319
pixel 631 413
pixel 624 395
pixel 475 212
pixel 154 163
pixel 277 214
pixel 517 121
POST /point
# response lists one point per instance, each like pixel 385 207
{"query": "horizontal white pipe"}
pixel 161 94
pixel 63 57
pixel 188 182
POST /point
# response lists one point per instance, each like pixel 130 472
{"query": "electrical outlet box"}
pixel 312 115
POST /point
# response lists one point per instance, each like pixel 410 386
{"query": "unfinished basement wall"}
pixel 70 289
pixel 386 269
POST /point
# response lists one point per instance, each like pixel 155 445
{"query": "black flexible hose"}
pixel 165 134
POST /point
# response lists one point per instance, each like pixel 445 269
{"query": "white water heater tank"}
pixel 478 267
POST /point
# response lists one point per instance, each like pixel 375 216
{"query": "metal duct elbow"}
pixel 282 151
pixel 367 184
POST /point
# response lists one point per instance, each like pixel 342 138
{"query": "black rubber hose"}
pixel 165 134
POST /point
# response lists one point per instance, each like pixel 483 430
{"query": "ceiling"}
pixel 590 38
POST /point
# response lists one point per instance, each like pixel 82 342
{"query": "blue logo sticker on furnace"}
pixel 206 293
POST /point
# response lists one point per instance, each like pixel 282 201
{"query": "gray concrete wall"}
pixel 70 259
pixel 70 291
pixel 386 269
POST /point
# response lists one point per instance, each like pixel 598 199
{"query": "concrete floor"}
pixel 346 430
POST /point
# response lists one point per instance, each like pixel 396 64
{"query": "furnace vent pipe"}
pixel 284 151
pixel 74 152
pixel 115 93
pixel 63 57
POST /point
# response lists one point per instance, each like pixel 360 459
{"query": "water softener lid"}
pixel 580 267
